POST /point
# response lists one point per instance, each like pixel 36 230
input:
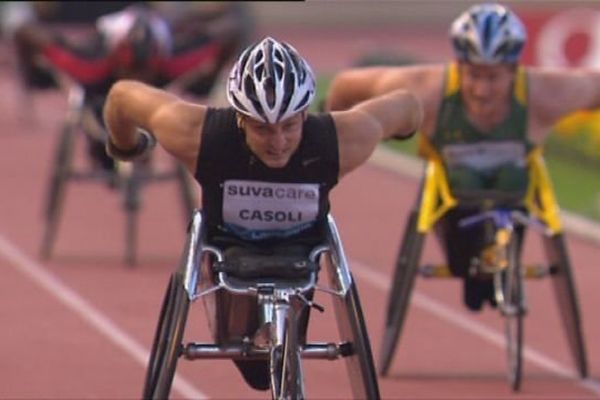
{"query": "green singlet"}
pixel 476 160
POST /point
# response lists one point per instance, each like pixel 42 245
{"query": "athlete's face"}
pixel 274 144
pixel 486 90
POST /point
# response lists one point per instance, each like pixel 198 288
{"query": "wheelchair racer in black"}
pixel 265 165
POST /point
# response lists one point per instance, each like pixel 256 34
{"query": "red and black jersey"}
pixel 95 70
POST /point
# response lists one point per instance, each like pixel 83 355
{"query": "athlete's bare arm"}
pixel 355 85
pixel 361 128
pixel 176 124
pixel 555 93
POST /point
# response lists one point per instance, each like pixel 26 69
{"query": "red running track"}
pixel 80 326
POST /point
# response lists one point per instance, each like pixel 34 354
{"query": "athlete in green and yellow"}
pixel 483 112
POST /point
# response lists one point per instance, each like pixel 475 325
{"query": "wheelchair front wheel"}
pixel 167 345
pixel 514 311
pixel 285 367
pixel 131 204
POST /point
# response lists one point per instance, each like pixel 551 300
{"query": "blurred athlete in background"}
pixel 137 42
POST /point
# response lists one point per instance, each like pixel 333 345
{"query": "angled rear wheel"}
pixel 563 280
pixel 167 345
pixel 407 264
pixel 57 186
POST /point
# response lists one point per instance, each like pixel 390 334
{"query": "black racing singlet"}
pixel 243 197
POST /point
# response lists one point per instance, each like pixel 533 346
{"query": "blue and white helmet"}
pixel 270 82
pixel 488 34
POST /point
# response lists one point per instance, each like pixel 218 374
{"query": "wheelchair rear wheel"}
pixel 360 363
pixel 514 312
pixel 56 189
pixel 407 265
pixel 563 281
pixel 167 345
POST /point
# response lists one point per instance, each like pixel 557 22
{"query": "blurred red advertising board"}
pixel 562 37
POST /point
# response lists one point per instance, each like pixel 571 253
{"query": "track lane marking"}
pixel 86 311
pixel 80 306
pixel 453 317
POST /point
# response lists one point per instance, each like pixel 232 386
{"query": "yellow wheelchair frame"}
pixel 434 201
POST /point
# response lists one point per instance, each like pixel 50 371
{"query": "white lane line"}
pixel 139 353
pixel 37 273
pixel 451 316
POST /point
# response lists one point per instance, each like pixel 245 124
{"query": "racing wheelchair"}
pixel 128 178
pixel 500 262
pixel 269 302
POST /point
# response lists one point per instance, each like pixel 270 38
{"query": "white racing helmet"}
pixel 270 82
pixel 488 34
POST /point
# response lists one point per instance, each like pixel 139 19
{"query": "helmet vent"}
pixel 488 34
pixel 277 82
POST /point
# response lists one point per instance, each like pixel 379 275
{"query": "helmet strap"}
pixel 239 118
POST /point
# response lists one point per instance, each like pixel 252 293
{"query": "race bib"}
pixel 260 209
pixel 485 155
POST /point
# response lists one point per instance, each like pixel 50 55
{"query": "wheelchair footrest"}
pixel 435 271
pixel 194 351
pixel 537 271
pixel 531 271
